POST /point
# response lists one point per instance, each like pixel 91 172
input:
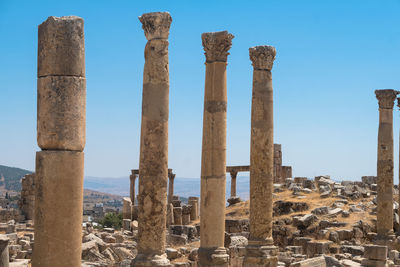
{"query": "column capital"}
pixel 262 57
pixel 156 25
pixel 398 102
pixel 386 98
pixel 171 176
pixel 216 45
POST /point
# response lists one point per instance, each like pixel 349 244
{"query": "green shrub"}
pixel 113 220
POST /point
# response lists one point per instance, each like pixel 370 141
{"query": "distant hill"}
pixel 10 177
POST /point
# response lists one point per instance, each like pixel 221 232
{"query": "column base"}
pixel 143 260
pixel 385 240
pixel 260 255
pixel 212 257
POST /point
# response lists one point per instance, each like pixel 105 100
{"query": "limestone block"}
pixel 126 208
pixel 61 47
pixel 61 114
pixel 375 252
pixel 313 262
pixel 58 208
pixel 177 215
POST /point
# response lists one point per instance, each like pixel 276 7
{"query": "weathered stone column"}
pixel 4 254
pixel 385 167
pixel 126 208
pixel 233 183
pixel 61 119
pixel 260 251
pixel 153 166
pixel 132 188
pixel 194 202
pixel 171 178
pixel 213 161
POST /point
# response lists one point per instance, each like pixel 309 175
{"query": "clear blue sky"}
pixel 331 56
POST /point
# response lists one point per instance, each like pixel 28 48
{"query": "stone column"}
pixel 4 254
pixel 260 251
pixel 385 174
pixel 233 183
pixel 194 202
pixel 213 161
pixel 153 166
pixel 171 177
pixel 398 210
pixel 126 208
pixel 177 215
pixel 61 126
pixel 132 188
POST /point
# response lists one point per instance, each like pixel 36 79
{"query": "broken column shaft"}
pixel 61 119
pixel 385 174
pixel 213 161
pixel 153 166
pixel 171 178
pixel 233 183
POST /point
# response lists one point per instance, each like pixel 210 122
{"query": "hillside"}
pixel 10 177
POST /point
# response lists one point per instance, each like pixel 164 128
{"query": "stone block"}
pixel 61 47
pixel 61 114
pixel 313 262
pixel 317 247
pixel 375 252
pixel 58 208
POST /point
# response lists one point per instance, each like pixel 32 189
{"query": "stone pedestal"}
pixel 4 255
pixel 61 126
pixel 58 208
pixel 153 166
pixel 233 183
pixel 177 215
pixel 186 210
pixel 213 161
pixel 384 223
pixel 375 256
pixel 260 249
pixel 126 208
pixel 194 202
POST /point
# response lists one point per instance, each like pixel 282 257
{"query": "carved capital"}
pixel 262 57
pixel 216 45
pixel 398 102
pixel 156 25
pixel 386 98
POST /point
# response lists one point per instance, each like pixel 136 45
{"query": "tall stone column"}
pixel 385 167
pixel 213 160
pixel 132 188
pixel 398 210
pixel 61 116
pixel 153 166
pixel 260 251
pixel 171 178
pixel 233 183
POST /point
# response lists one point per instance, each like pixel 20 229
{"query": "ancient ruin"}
pixel 61 118
pixel 213 156
pixel 288 221
pixel 153 166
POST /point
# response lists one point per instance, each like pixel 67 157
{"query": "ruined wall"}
pixel 27 201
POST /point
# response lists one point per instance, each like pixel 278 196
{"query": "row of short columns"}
pixel 61 96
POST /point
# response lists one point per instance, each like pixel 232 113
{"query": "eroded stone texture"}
pixel 261 160
pixel 194 202
pixel 58 208
pixel 61 113
pixel 153 169
pixel 384 224
pixel 27 201
pixel 61 47
pixel 61 134
pixel 4 254
pixel 213 163
pixel 177 215
pixel 126 208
